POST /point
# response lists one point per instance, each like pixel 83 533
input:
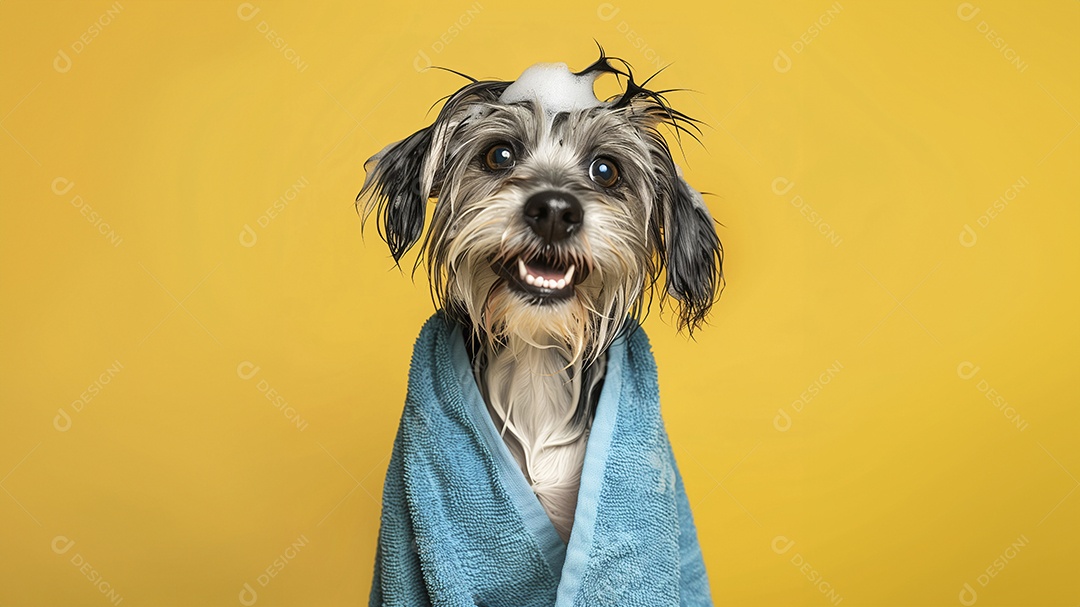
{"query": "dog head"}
pixel 556 213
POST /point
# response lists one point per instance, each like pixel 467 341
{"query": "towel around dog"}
pixel 461 526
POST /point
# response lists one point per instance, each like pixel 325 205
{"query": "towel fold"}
pixel 461 526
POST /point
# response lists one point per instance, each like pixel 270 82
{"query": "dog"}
pixel 556 217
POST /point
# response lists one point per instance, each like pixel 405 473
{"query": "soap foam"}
pixel 554 87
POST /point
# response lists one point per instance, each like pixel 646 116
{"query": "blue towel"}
pixel 461 526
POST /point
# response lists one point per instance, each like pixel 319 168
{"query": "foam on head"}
pixel 554 87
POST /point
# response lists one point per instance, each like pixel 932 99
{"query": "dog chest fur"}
pixel 542 405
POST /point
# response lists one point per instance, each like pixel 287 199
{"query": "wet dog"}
pixel 557 216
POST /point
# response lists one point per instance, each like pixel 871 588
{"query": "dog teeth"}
pixel 540 281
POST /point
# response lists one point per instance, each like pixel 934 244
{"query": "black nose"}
pixel 553 215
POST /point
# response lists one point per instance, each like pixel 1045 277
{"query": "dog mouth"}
pixel 543 277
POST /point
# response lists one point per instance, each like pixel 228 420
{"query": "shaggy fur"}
pixel 539 360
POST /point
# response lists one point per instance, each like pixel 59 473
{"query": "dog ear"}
pixel 404 175
pixel 692 252
pixel 398 184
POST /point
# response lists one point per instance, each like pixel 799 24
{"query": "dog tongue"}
pixel 554 87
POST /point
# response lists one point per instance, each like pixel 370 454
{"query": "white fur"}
pixel 532 394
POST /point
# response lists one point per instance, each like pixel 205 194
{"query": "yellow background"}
pixel 180 123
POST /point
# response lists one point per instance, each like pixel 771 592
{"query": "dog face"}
pixel 555 212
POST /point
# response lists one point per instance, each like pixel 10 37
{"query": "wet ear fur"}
pixel 397 188
pixel 405 175
pixel 692 252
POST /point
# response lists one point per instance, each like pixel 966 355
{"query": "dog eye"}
pixel 499 157
pixel 604 172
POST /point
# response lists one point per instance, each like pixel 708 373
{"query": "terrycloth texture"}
pixel 461 527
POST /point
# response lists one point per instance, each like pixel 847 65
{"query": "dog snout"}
pixel 553 215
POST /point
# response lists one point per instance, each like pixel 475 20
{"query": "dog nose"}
pixel 553 215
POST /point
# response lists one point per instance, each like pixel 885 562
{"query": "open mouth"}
pixel 543 277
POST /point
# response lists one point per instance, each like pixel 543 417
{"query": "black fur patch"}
pixel 395 184
pixel 694 256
